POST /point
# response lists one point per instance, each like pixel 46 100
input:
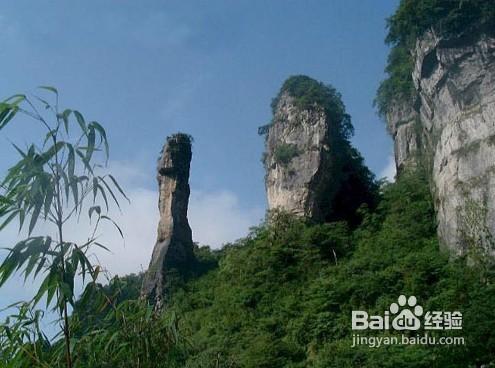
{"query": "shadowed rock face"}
pixel 450 127
pixel 174 246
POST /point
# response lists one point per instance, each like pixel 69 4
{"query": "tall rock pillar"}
pixel 174 245
pixel 311 168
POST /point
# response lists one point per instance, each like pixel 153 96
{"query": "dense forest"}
pixel 283 296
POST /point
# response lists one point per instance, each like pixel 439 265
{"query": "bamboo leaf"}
pixel 49 88
pixel 9 219
pixel 33 259
pixel 4 111
pixel 7 116
pixel 22 217
pixel 103 136
pixel 94 209
pixel 43 101
pixel 81 122
pixel 35 214
pixel 75 191
pixel 118 187
pixel 65 117
pixel 48 200
pixel 95 189
pixel 103 194
pixel 91 143
pixel 115 224
pixel 87 166
pixel 102 246
pixel 52 151
pixel 50 136
pixel 45 249
pixel 21 152
pixel 60 173
pixel 15 99
pixel 110 191
pixel 71 161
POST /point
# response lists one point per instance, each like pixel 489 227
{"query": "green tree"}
pixel 53 182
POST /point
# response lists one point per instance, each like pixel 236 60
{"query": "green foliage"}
pixel 446 17
pixel 132 334
pixel 358 187
pixel 282 297
pixel 449 18
pixel 309 94
pixel 350 184
pixel 53 181
pixel 92 307
pixel 22 342
pixel 398 86
pixel 284 153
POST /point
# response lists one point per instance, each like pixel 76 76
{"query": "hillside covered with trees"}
pixel 283 296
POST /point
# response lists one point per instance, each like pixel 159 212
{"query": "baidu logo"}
pixel 407 318
pixel 407 314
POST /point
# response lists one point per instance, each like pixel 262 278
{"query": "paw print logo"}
pixel 407 319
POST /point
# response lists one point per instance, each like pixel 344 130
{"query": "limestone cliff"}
pixel 449 126
pixel 174 246
pixel 311 169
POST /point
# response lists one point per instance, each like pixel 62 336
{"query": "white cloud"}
pixel 215 218
pixel 389 170
pixel 138 220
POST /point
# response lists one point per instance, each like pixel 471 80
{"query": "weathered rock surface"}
pixel 174 245
pixel 451 124
pixel 291 181
pixel 311 169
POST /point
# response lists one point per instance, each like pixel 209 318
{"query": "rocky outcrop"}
pixel 450 128
pixel 174 245
pixel 311 169
pixel 296 147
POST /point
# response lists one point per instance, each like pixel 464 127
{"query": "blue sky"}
pixel 146 69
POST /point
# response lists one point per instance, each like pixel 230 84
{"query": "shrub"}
pixel 284 153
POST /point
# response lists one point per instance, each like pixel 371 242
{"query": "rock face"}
pixel 450 127
pixel 296 149
pixel 174 245
pixel 311 169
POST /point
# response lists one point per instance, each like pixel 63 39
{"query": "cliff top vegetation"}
pixel 309 93
pixel 449 18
